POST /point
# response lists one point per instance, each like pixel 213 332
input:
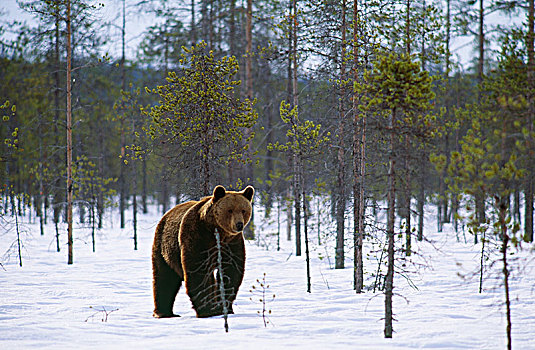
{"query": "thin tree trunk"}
pixel 204 20
pixel 361 206
pixel 421 197
pixel 122 179
pixel 58 248
pixel 481 47
pixel 134 186
pixel 479 198
pixel 19 244
pixel 249 230
pixel 193 30
pixel 318 211
pixel 307 252
pixel 100 197
pixel 249 49
pixel 502 207
pixel 289 216
pixel 506 287
pixel 144 185
pixel 297 161
pixel 422 162
pixel 165 191
pixel 407 197
pixel 46 205
pixel 407 177
pixel 268 164
pixel 18 176
pixel 454 204
pixel 297 206
pixel 289 88
pixel 123 48
pixel 407 27
pixel 391 198
pixel 289 98
pixel 448 37
pixel 279 223
pixel 421 202
pixel 482 261
pixel 92 218
pixel 439 208
pixel 205 166
pixel 6 190
pixel 295 94
pixel 340 185
pixel 134 203
pixel 69 137
pixel 528 212
pixel 40 196
pixel 232 28
pixel 530 183
pixel 294 56
pixel 359 167
pixel 59 159
pixel 455 211
pixel 480 206
pixel 11 195
pixel 211 39
pixel 516 205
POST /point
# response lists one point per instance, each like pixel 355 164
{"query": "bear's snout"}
pixel 239 226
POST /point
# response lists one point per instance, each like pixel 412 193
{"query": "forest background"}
pixel 362 103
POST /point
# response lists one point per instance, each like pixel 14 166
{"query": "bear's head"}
pixel 232 210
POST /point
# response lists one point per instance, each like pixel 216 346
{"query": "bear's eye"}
pixel 243 211
pixel 230 211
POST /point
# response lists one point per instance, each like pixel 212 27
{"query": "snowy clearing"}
pixel 48 304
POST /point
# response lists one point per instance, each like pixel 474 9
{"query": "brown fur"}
pixel 184 249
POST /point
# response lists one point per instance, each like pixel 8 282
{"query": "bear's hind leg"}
pixel 165 285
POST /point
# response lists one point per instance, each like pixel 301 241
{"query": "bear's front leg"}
pixel 200 284
pixel 233 269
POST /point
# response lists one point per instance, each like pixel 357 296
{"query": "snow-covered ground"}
pixel 48 304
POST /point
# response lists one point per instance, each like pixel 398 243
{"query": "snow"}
pixel 49 304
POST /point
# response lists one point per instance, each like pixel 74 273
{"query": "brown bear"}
pixel 185 249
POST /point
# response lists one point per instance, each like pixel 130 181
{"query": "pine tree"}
pixel 200 116
pixel 398 90
pixel 304 140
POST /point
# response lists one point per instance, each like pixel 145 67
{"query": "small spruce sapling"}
pixel 260 293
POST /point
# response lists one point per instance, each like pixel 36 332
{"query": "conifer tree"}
pixel 200 116
pixel 304 140
pixel 399 91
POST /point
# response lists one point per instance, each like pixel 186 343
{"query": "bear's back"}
pixel 167 243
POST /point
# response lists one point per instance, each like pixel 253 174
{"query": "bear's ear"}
pixel 219 192
pixel 248 193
